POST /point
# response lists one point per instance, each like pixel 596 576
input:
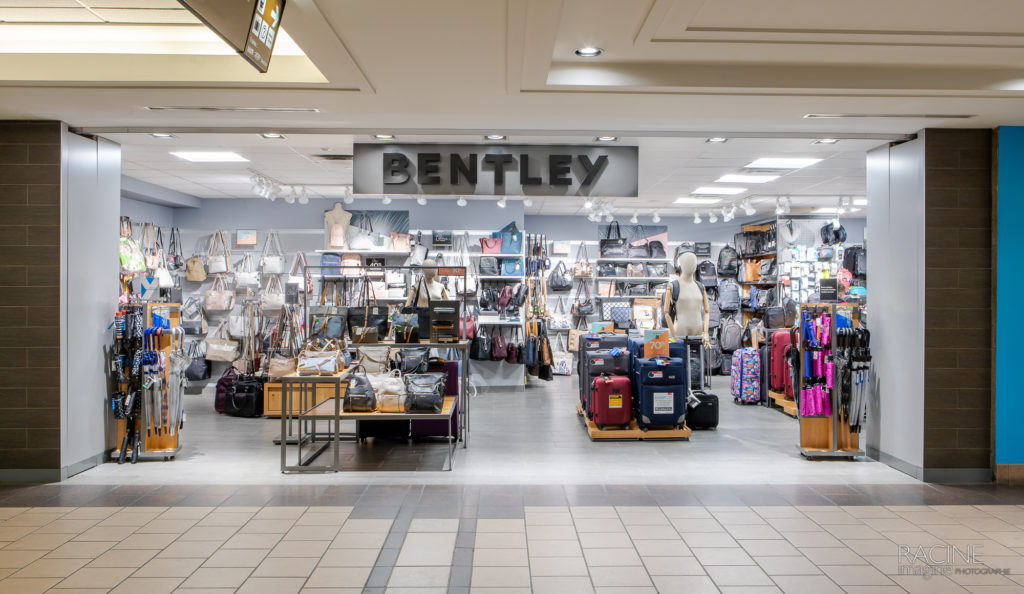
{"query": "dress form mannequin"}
pixel 435 290
pixel 336 222
pixel 692 303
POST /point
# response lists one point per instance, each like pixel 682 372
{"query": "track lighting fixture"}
pixel 386 200
pixel 787 204
pixel 461 201
pixel 608 218
pixel 712 217
pixel 527 202
pixel 348 199
pixel 779 208
pixel 840 206
pixel 696 218
pixel 588 203
pixel 748 208
pixel 502 203
pixel 422 201
pixel 303 195
pixel 656 218
pixel 635 218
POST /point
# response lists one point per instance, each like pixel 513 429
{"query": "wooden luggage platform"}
pixel 633 433
pixel 786 405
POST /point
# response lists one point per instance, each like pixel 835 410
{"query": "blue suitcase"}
pixel 661 371
pixel 661 406
pixel 603 361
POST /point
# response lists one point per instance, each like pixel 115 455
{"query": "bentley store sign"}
pixel 506 170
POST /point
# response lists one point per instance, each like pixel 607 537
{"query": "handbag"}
pixel 412 360
pixel 367 324
pixel 374 358
pixel 320 357
pixel 511 267
pixel 360 396
pixel 237 327
pixel 424 393
pixel 198 367
pixel 273 259
pixel 218 262
pixel 638 247
pixel 490 245
pixel 608 304
pixel 511 240
pixel 489 266
pixel 574 336
pixel 406 326
pixel 195 268
pixel 422 312
pixel 586 306
pixel 468 284
pixel 499 349
pixel 192 319
pixel 365 238
pixel 389 390
pixel 605 269
pixel 467 326
pixel 352 265
pixel 401 242
pixel 218 297
pixel 246 274
pixel 283 360
pixel 417 253
pixel 442 238
pixel 297 275
pixel 148 244
pixel 657 270
pixel 559 279
pixel 583 268
pixel 480 348
pixel 614 246
pixel 175 259
pixel 561 359
pixel 622 315
pixel 219 347
pixel 635 269
pixel 273 295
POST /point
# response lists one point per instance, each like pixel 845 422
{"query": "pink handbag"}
pixel 490 245
pixel 467 327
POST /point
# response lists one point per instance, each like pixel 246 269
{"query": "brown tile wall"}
pixel 30 175
pixel 958 298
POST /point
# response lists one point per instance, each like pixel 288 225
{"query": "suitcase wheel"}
pixel 600 426
pixel 644 429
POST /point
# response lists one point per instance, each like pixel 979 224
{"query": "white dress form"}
pixel 435 290
pixel 336 222
pixel 691 304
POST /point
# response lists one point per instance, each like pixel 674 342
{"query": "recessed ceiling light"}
pixel 860 201
pixel 215 108
pixel 495 137
pixel 607 138
pixel 782 163
pixel 717 139
pixel 163 135
pixel 826 141
pixel 384 136
pixel 273 135
pixel 588 52
pixel 717 191
pixel 738 178
pixel 211 157
pixel 698 201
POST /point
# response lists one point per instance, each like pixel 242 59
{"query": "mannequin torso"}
pixel 336 222
pixel 435 290
pixel 690 304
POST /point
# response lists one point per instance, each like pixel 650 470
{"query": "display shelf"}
pixel 757 256
pixel 629 297
pixel 759 283
pixel 364 252
pixel 501 277
pixel 510 256
pixel 631 278
pixel 632 259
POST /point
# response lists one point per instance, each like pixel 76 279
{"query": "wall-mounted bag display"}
pixel 634 289
pixel 635 269
pixel 273 260
pixel 360 396
pixel 559 279
pixel 273 295
pixel 639 246
pixel 417 253
pixel 219 347
pixel 608 304
pixel 511 239
pixel 480 348
pixel 219 258
pixel 499 348
pixel 246 275
pixel 192 319
pixel 363 237
pixel 512 267
pixel 490 245
pixel 198 368
pixel 175 259
pixel 401 242
pixel 330 264
pixel 657 270
pixel 611 269
pixel 218 297
pixel 614 246
pixel 424 393
pixel 582 268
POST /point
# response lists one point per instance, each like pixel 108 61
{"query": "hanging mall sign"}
pixel 489 170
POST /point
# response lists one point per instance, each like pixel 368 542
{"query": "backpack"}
pixel 732 334
pixel 768 270
pixel 855 259
pixel 789 307
pixel 729 295
pixel 706 274
pixel 728 261
pixel 831 235
pixel 675 297
pixel 714 315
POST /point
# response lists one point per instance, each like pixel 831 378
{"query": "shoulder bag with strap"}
pixel 219 261
pixel 273 259
pixel 583 268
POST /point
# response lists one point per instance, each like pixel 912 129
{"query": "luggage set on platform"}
pixel 748 381
pixel 617 385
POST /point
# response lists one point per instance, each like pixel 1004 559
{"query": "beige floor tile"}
pixel 813 539
pixel 673 566
pixel 626 590
pixel 735 518
pixel 300 548
pixel 322 519
pixel 619 576
pixel 887 564
pixel 148 585
pixel 338 577
pixel 651 518
pixel 648 532
pixel 271 585
pixel 723 556
pixel 133 558
pixel 178 526
pixel 893 524
pixel 555 548
pixel 794 524
pixel 26 585
pixel 753 532
pixel 225 519
pixel 855 575
pixel 549 519
pixel 14 559
pixel 202 549
pixel 833 556
pixel 283 512
pixel 6 572
pixel 894 589
pixel 266 527
pixel 708 539
pixel 7 513
pixel 366 525
pixel 787 566
pixel 558 567
pixel 596 511
pixel 96 577
pixel 235 558
pixel 874 547
pixel 605 540
pixel 239 509
pixel 561 585
pixel 600 525
pixel 326 533
pixel 92 513
pixel 170 567
pixel 952 531
pixel 685 511
pixel 550 532
pixel 356 540
pixel 806 584
pixel 44 568
pixel 63 526
pixel 756 548
pixel 495 525
pixel 349 558
pixel 146 541
pixel 220 533
pixel 662 548
pixel 186 513
pixel 916 584
pixel 11 533
pixel 500 540
pixel 501 577
pixel 217 577
pixel 852 532
pixel 869 511
pixel 835 516
pixel 500 558
pixel 431 548
pixel 437 590
pixel 611 557
pixel 80 550
pixel 499 591
pixel 419 577
pixel 253 541
pixel 34 519
pixel 434 525
pixel 286 567
pixel 684 584
pixel 697 525
pixel 42 542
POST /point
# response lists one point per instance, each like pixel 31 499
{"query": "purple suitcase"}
pixel 439 428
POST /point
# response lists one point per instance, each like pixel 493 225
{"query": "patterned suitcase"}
pixel 745 383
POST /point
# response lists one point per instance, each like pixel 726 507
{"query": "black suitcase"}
pixel 244 398
pixel 705 414
pixel 726 368
pixel 764 374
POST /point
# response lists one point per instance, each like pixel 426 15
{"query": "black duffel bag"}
pixel 244 398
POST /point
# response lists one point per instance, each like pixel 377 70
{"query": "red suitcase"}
pixel 611 401
pixel 780 370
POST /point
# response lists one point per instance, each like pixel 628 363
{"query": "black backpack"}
pixel 728 261
pixel 831 235
pixel 706 274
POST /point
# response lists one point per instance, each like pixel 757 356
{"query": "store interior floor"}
pixel 517 437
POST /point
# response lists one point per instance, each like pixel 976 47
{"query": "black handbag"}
pixel 608 269
pixel 244 398
pixel 614 246
pixel 198 368
pixel 480 349
pixel 657 270
pixel 412 360
pixel 422 312
pixel 359 397
pixel 638 246
pixel 424 393
pixel 585 307
pixel 488 266
pixel 560 279
pixel 441 238
pixel 369 316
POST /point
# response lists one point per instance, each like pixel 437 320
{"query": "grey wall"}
pixel 896 285
pixel 90 205
pixel 144 212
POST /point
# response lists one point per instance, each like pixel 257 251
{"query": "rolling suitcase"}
pixel 781 342
pixel 698 368
pixel 661 371
pixel 661 405
pixel 608 361
pixel 726 364
pixel 439 427
pixel 611 400
pixel 745 382
pixel 593 342
pixel 705 414
pixel 763 383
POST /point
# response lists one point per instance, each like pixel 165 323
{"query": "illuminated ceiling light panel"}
pixel 737 178
pixel 698 201
pixel 210 156
pixel 717 191
pixel 782 163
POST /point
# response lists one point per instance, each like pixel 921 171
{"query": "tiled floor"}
pixel 431 544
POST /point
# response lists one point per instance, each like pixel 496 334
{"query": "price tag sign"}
pixel 449 271
pixel 596 327
pixel 655 343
